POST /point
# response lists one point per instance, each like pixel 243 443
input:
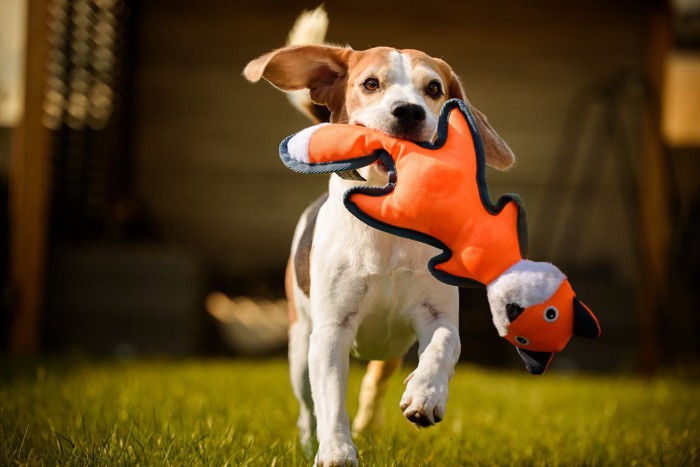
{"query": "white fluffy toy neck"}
pixel 526 283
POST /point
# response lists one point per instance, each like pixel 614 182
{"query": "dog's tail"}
pixel 309 29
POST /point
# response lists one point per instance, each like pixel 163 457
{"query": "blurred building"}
pixel 161 178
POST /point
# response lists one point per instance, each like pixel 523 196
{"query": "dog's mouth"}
pixel 379 164
pixel 411 134
pixel 414 134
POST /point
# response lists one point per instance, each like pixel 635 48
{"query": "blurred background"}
pixel 145 210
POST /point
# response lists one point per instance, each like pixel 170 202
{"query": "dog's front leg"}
pixel 329 355
pixel 425 399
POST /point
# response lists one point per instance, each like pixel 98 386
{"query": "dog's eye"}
pixel 551 314
pixel 434 89
pixel 521 340
pixel 371 84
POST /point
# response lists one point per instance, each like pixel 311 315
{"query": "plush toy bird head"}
pixel 437 194
pixel 534 307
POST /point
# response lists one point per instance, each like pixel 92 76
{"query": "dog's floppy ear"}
pixel 314 67
pixel 498 154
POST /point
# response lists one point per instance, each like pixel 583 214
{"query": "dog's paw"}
pixel 308 445
pixel 424 401
pixel 306 425
pixel 344 455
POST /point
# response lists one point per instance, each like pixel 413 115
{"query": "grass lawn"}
pixel 219 412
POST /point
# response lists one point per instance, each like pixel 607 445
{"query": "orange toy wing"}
pixel 441 197
pixel 436 193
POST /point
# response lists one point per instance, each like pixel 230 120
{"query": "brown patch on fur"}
pixel 289 290
pixel 302 257
pixel 498 153
pixel 319 68
pixel 375 62
pixel 320 113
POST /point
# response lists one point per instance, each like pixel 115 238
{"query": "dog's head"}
pixel 398 92
pixel 535 309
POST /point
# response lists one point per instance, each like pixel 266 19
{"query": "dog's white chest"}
pixel 387 275
pixel 387 310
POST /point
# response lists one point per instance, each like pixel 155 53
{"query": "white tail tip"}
pixel 309 28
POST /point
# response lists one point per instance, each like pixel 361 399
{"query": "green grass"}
pixel 204 412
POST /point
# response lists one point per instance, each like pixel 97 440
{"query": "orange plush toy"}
pixel 437 194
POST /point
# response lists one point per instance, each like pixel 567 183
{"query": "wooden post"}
pixel 654 198
pixel 28 189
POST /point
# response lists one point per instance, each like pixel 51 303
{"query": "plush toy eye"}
pixel 371 84
pixel 551 314
pixel 434 89
pixel 521 340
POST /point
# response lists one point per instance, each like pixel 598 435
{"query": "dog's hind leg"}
pixel 372 391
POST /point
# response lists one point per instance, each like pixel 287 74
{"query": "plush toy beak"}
pixel 585 322
pixel 585 325
pixel 535 362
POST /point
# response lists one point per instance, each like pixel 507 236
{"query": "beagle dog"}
pixel 352 289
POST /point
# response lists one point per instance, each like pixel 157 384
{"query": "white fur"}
pixel 526 283
pixel 309 28
pixel 372 296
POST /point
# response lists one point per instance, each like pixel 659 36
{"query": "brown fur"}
pixel 289 290
pixel 302 258
pixel 332 75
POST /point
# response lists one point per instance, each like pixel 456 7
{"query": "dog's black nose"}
pixel 408 114
pixel 513 310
